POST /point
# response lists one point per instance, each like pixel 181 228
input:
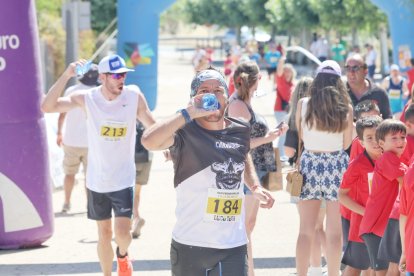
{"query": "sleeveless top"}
pixel 208 178
pixel 111 135
pixel 395 95
pixel 263 156
pixel 319 140
pixel 74 129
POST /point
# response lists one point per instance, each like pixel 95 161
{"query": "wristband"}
pixel 185 114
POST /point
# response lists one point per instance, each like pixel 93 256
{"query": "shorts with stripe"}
pixel 204 261
pixel 372 243
pixel 390 245
pixel 322 174
pixel 100 205
pixel 356 255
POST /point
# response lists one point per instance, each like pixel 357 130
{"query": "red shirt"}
pixel 407 209
pixel 283 91
pixel 356 149
pixel 410 74
pixel 395 211
pixel 231 86
pixel 408 151
pixel 384 191
pixel 356 179
pixel 402 117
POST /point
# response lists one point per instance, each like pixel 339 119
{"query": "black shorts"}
pixel 203 261
pixel 390 245
pixel 356 255
pixel 100 205
pixel 271 70
pixel 372 242
pixel 345 232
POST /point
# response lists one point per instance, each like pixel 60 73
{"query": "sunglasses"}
pixel 354 68
pixel 117 76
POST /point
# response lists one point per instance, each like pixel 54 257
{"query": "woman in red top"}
pixel 285 76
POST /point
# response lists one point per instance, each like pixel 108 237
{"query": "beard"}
pixel 214 118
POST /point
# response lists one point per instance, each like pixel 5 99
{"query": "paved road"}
pixel 72 249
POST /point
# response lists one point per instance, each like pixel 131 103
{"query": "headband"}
pixel 205 75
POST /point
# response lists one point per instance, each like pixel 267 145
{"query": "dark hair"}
pixel 367 122
pixel 245 76
pixel 328 105
pixel 365 106
pixel 409 113
pixel 389 126
pixel 301 90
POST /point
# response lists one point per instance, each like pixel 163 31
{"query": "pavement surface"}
pixel 72 248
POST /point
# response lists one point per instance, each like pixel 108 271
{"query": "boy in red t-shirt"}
pixel 362 109
pixel 354 191
pixel 409 123
pixel 390 246
pixel 407 223
pixel 388 174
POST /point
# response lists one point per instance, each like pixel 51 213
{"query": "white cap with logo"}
pixel 113 64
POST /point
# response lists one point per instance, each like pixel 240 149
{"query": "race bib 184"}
pixel 223 205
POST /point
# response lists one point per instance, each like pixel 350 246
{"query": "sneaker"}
pixel 136 227
pixel 125 266
pixel 66 208
pixel 315 271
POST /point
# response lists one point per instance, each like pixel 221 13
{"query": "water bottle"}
pixel 82 69
pixel 208 102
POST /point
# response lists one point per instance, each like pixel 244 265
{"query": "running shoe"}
pixel 125 266
pixel 66 208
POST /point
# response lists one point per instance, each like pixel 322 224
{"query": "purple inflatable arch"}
pixel 26 217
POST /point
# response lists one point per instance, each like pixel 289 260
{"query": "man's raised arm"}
pixel 53 101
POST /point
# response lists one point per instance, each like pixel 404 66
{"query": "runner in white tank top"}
pixel 112 110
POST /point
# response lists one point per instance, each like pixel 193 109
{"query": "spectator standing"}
pixel 338 52
pixel 326 119
pixel 246 79
pixel 285 78
pixel 143 162
pixel 397 90
pixel 370 60
pixel 360 88
pixel 322 47
pixel 72 135
pixel 272 57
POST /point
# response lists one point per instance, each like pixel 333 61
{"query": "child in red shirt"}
pixel 354 192
pixel 409 123
pixel 388 174
pixel 362 109
pixel 407 223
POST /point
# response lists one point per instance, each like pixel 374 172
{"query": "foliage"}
pixel 292 15
pixel 51 31
pixel 171 18
pixel 347 15
pixel 102 13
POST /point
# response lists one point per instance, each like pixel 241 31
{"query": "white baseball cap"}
pixel 113 64
pixel 394 67
pixel 329 67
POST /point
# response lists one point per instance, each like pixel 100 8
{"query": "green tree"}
pixel 102 13
pixel 291 16
pixel 51 31
pixel 227 13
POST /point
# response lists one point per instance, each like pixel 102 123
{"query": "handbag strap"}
pixel 299 139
